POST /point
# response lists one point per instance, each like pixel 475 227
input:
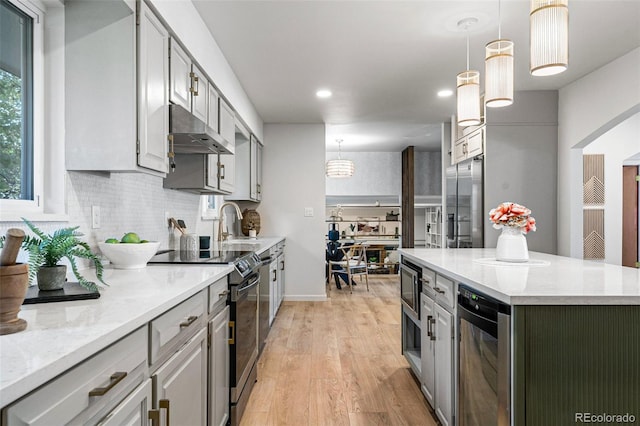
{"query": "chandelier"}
pixel 340 168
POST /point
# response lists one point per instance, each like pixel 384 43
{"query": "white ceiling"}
pixel 384 61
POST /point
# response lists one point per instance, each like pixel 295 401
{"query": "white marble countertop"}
pixel 62 334
pixel 545 280
pixel 258 245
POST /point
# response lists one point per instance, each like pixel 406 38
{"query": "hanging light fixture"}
pixel 340 168
pixel 549 36
pixel 468 87
pixel 498 70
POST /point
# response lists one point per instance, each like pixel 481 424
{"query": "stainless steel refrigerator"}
pixel 464 204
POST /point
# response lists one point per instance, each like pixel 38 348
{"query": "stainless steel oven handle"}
pixel 252 284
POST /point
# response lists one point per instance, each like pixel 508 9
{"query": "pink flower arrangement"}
pixel 514 216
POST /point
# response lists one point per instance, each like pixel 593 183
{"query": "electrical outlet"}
pixel 95 217
pixel 308 212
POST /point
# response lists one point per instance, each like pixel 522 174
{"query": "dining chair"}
pixel 353 262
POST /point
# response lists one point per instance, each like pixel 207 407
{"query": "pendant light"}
pixel 549 36
pixel 340 168
pixel 468 87
pixel 498 71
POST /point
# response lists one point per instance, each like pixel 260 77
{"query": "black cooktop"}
pixel 203 256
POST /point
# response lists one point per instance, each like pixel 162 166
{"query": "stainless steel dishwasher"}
pixel 484 360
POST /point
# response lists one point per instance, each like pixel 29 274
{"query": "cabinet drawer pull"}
pixel 194 79
pixel 113 380
pixel 154 416
pixel 190 320
pixel 282 265
pixel 223 294
pixel 437 289
pixel 164 404
pixel 429 325
pixel 232 326
pixel 425 280
pixel 222 171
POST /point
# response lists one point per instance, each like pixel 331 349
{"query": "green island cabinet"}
pixel 574 333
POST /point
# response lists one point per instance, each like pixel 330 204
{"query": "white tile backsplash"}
pixel 129 202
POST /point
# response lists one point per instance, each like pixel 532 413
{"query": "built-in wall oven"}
pixel 484 379
pixel 410 285
pixel 410 289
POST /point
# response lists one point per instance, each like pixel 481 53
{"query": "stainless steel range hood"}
pixel 192 135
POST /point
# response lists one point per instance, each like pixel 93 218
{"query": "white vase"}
pixel 512 246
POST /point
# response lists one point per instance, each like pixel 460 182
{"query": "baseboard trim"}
pixel 306 298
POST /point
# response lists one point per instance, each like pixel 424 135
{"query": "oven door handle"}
pixel 249 286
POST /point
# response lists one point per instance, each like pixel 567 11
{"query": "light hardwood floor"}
pixel 338 362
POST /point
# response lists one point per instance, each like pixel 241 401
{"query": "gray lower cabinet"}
pixel 87 393
pixel 182 381
pixel 163 373
pixel 280 276
pixel 437 330
pixel 134 410
pixel 219 369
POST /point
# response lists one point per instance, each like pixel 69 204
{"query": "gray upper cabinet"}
pixel 227 123
pixel 189 85
pixel 153 84
pixel 199 94
pixel 180 71
pixel 227 163
pixel 248 166
pixel 116 83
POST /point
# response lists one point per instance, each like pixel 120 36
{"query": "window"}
pixel 209 205
pixel 16 104
pixel 32 181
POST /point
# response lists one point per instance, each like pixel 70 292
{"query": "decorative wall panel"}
pixel 593 179
pixel 593 232
pixel 593 206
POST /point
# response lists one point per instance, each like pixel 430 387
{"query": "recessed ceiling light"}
pixel 323 93
pixel 445 93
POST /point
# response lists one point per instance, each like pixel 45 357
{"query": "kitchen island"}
pixel 573 334
pixel 61 335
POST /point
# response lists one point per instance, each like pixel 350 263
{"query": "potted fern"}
pixel 46 250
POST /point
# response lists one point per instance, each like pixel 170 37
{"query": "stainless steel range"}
pixel 243 323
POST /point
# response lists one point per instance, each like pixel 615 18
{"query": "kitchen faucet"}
pixel 222 236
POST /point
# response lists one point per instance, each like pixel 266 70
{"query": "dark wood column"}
pixel 407 201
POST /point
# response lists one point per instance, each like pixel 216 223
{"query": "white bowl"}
pixel 129 255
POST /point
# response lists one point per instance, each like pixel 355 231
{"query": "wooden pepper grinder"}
pixel 14 280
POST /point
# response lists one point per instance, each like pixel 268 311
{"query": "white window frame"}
pixel 48 167
pixel 207 213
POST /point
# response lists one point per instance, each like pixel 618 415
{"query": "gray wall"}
pixel 521 164
pixel 380 173
pixel 293 179
pixel 376 173
pixel 428 173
